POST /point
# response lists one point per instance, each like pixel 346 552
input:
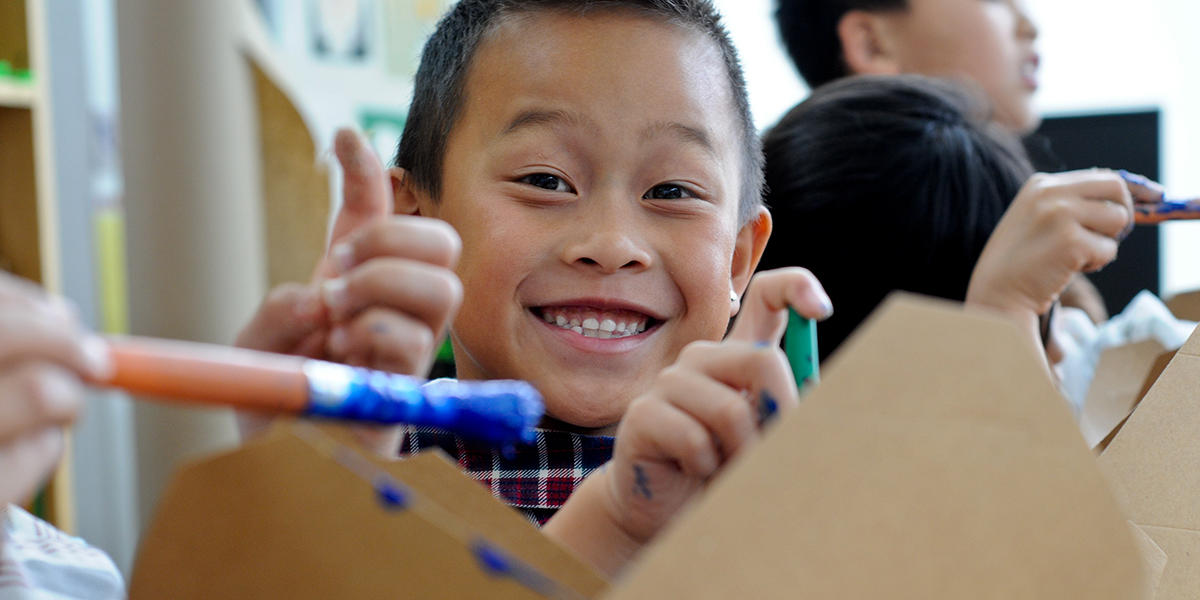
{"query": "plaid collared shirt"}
pixel 536 479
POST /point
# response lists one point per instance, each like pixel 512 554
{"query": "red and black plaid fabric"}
pixel 535 479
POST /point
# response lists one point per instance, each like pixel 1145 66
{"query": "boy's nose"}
pixel 1026 28
pixel 608 244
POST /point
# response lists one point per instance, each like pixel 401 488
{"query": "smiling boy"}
pixel 599 165
pixel 598 161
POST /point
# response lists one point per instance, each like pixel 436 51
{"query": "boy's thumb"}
pixel 366 190
pixel 763 316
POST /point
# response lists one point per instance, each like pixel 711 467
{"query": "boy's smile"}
pixel 593 174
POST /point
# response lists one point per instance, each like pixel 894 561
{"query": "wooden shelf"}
pixel 16 95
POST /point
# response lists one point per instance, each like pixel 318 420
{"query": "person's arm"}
pixel 1057 227
pixel 44 357
pixel 381 297
pixel 698 414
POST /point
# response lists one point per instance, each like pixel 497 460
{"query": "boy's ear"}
pixel 747 251
pixel 868 48
pixel 405 196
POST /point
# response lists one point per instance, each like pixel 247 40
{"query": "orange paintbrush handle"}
pixel 208 373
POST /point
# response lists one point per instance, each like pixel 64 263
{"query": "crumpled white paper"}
pixel 1082 342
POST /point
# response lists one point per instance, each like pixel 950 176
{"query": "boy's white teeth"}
pixel 602 324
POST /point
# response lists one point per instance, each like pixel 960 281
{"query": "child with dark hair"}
pixel 889 183
pixel 598 163
pixel 986 43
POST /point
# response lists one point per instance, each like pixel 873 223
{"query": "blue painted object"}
pixel 500 413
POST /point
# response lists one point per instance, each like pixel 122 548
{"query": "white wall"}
pixel 1094 52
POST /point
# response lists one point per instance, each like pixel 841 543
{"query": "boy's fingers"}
pixel 287 317
pixel 43 337
pixel 431 294
pixel 393 342
pixel 725 412
pixel 36 395
pixel 402 236
pixel 674 437
pixel 763 314
pixel 754 368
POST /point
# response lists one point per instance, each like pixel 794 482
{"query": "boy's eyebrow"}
pixel 540 117
pixel 686 133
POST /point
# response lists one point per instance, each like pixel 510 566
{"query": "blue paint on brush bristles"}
pixel 499 413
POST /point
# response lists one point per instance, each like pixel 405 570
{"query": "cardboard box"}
pixel 298 515
pixel 936 460
pixel 1186 306
pixel 1153 462
pixel 1116 388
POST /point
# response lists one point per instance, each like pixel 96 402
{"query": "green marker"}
pixel 800 345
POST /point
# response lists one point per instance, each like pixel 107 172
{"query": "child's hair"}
pixel 440 88
pixel 887 183
pixel 809 29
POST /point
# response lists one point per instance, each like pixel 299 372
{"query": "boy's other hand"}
pixel 44 356
pixel 1057 227
pixel 698 414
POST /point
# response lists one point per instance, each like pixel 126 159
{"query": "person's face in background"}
pixel 989 42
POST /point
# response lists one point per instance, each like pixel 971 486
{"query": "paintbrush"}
pixel 500 413
pixel 1151 205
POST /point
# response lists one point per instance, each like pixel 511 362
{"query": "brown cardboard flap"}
pixel 1152 462
pixel 281 518
pixel 1153 459
pixel 935 460
pixel 1115 389
pixel 1153 556
pixel 1182 548
pixel 1185 306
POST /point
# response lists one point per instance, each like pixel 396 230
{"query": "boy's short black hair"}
pixel 439 91
pixel 883 183
pixel 809 30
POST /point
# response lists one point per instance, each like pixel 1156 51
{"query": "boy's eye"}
pixel 548 182
pixel 668 191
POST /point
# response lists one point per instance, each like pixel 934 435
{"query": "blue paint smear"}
pixel 391 496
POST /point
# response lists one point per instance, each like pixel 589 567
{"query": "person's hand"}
pixel 1057 227
pixel 44 357
pixel 381 297
pixel 698 414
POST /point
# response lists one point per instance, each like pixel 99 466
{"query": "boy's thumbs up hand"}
pixel 381 297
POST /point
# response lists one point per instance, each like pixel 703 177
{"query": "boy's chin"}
pixel 597 420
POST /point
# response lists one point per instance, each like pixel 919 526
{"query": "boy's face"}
pixel 990 42
pixel 593 175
